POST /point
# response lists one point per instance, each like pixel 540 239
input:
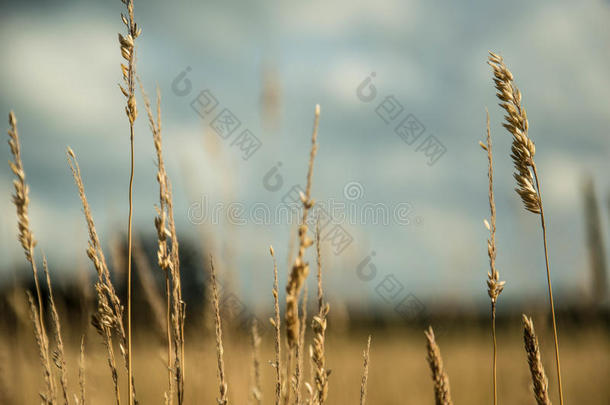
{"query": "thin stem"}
pixel 548 277
pixel 169 340
pixel 129 363
pixel 495 359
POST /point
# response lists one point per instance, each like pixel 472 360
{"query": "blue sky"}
pixel 61 66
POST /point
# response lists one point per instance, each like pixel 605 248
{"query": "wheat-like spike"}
pixel 59 356
pixel 21 201
pixel 128 52
pixel 21 197
pixel 256 392
pixel 300 268
pixel 319 330
pixel 523 149
pixel 494 285
pixel 365 372
pixel 534 359
pixel 223 389
pixel 528 182
pixel 442 394
pixel 275 322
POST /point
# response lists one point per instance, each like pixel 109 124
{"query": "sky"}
pixel 60 73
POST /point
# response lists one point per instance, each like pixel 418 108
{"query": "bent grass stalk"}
pixel 109 315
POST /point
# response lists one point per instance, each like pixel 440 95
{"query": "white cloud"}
pixel 64 68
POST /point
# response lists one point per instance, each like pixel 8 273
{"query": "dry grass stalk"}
pixel 256 392
pixel 494 285
pixel 128 52
pixel 168 259
pixel 28 242
pixel 319 330
pixel 300 349
pixel 523 151
pixel 6 396
pixel 223 389
pixel 275 322
pixel 59 357
pixel 534 359
pixel 81 372
pixel 365 373
pixel 178 305
pixel 442 394
pixel 43 351
pixel 109 314
pixel 300 268
pixel 22 202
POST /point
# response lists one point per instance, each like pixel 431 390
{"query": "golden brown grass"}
pixel 319 329
pixel 365 372
pixel 28 243
pixel 128 52
pixel 222 383
pixel 494 285
pixel 300 268
pixel 257 395
pixel 169 261
pixel 526 175
pixel 540 384
pixel 26 238
pixel 81 373
pixel 284 378
pixel 108 319
pixel 275 322
pixel 442 394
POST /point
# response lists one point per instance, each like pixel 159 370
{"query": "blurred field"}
pixel 399 373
